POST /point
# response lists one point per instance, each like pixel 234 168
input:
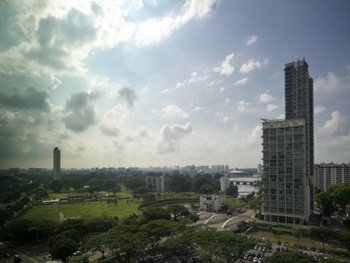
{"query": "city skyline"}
pixel 164 83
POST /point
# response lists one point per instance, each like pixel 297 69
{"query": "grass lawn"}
pixel 85 210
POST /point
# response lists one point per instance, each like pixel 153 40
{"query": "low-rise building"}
pixel 212 203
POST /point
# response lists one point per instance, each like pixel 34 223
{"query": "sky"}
pixel 139 83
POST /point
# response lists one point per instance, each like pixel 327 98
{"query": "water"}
pixel 243 190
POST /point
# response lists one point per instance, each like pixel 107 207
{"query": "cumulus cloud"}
pixel 266 98
pixel 251 65
pixel 332 83
pixel 79 114
pixel 222 117
pixel 154 30
pixel 243 106
pixel 128 95
pixel 271 107
pixel 225 68
pixel 253 140
pixel 241 81
pixel 194 78
pixel 58 37
pixel 337 125
pixel 137 135
pixel 251 40
pixel 319 110
pixel 109 130
pixel 24 99
pixel 173 111
pixel 170 136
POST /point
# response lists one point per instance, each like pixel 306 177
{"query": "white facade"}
pixel 224 183
pixel 328 174
pixel 157 183
pixel 211 203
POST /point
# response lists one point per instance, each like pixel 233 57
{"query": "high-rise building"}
pixel 288 151
pixel 286 188
pixel 56 163
pixel 327 174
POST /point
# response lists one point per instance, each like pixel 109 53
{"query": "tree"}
pixel 176 211
pixel 156 230
pixel 297 232
pixel 345 237
pixel 155 213
pixel 340 194
pixel 325 201
pixel 134 182
pixel 64 245
pixel 232 190
pixel 97 242
pixel 323 234
pixel 206 189
pixel 56 186
pixel 178 183
pixel 182 247
pixel 194 218
pixel 256 204
pixel 198 182
pixel 216 246
pixel 346 223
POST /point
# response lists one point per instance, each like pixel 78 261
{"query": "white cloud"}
pixel 251 65
pixel 271 107
pixel 226 67
pixel 319 110
pixel 253 141
pixel 241 81
pixel 332 83
pixel 266 98
pixel 222 89
pixel 223 117
pixel 140 133
pixel 109 130
pixel 251 40
pixel 194 78
pixel 170 136
pixel 173 111
pixel 337 125
pixel 227 101
pixel 58 37
pixel 154 30
pixel 244 106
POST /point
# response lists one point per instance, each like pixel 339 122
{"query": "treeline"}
pixel 157 231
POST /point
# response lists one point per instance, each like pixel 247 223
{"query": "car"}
pixel 255 260
pixel 260 260
pixel 259 248
pixel 245 256
pixel 250 258
pixel 256 247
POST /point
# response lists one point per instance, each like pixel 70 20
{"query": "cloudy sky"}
pixel 143 83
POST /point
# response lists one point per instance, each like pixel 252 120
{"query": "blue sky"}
pixel 164 82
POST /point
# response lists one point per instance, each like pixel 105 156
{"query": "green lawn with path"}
pixel 85 210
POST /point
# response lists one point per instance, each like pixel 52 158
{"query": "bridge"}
pixel 244 182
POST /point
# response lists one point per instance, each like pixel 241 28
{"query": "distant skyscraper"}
pixel 56 163
pixel 288 151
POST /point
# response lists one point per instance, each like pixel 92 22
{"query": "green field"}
pixel 85 210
